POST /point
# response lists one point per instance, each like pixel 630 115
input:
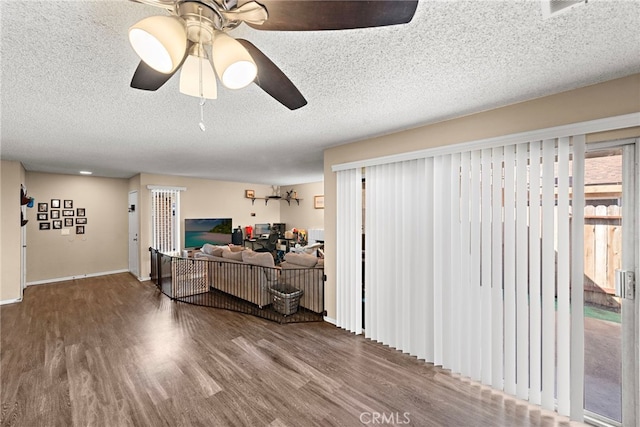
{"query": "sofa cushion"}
pixel 303 260
pixel 263 259
pixel 236 256
pixel 236 248
pixel 214 250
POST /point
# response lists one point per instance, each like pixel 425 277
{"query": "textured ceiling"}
pixel 67 105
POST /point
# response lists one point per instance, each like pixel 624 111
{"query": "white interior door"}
pixel 134 244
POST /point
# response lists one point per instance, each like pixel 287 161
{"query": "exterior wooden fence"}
pixel 602 253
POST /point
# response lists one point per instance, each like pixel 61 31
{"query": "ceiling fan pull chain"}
pixel 202 100
pixel 201 124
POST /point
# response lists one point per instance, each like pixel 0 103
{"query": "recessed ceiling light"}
pixel 85 173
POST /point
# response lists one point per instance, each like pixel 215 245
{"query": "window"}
pixel 165 218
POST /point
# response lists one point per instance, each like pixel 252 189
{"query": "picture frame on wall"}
pixel 43 207
pixel 318 202
pixel 57 224
pixel 80 212
pixel 42 217
pixel 81 221
pixel 55 214
pixel 55 203
pixel 250 194
pixel 45 226
pixel 68 204
pixel 79 229
pixel 67 212
pixel 68 222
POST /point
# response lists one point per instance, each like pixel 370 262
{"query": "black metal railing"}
pixel 284 295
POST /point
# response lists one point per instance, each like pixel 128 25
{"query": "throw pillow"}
pixel 207 248
pixel 304 260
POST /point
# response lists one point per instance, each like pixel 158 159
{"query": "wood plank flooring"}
pixel 110 351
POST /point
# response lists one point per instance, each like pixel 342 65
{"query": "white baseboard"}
pixel 330 320
pixel 80 276
pixel 10 301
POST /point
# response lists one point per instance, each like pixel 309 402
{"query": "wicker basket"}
pixel 285 299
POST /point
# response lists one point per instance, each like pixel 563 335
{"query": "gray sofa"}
pixel 249 275
pixel 244 273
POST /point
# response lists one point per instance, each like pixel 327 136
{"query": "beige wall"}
pixel 607 99
pixel 11 177
pixel 103 248
pixel 303 216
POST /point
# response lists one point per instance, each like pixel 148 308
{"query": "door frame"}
pixel 630 352
pixel 134 233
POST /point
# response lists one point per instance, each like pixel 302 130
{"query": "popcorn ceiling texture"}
pixel 67 104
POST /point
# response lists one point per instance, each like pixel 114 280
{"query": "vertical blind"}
pixel 349 251
pixel 165 219
pixel 469 266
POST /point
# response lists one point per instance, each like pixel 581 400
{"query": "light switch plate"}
pixel 65 231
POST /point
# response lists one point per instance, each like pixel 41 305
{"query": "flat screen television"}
pixel 216 231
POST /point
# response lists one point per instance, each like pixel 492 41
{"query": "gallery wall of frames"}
pixel 61 213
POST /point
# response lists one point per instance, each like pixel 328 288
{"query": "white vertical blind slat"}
pixel 465 264
pixel 522 259
pixel 535 292
pixel 548 275
pixel 485 241
pixel 429 250
pixel 438 259
pixel 476 327
pixel 577 282
pixel 497 306
pixel 445 248
pixel 348 250
pixel 509 271
pixel 455 254
pixel 563 315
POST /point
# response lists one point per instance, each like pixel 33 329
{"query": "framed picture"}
pixel 249 194
pixel 55 214
pixel 57 224
pixel 80 211
pixel 318 202
pixel 79 229
pixel 43 207
pixel 68 222
pixel 81 221
pixel 67 212
pixel 43 217
pixel 55 203
pixel 68 204
pixel 45 226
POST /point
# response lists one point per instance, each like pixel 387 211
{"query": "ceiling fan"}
pixel 194 37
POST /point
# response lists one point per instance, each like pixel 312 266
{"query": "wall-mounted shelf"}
pixel 267 199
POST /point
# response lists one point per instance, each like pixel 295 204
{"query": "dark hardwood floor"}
pixel 110 351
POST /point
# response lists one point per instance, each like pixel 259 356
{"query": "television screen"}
pixel 216 231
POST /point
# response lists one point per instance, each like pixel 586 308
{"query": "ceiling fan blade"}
pixel 272 80
pixel 146 78
pixel 164 4
pixel 313 15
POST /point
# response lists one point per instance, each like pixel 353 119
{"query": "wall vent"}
pixel 555 7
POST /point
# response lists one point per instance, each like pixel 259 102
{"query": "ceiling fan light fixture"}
pixel 233 63
pixel 160 41
pixel 190 74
